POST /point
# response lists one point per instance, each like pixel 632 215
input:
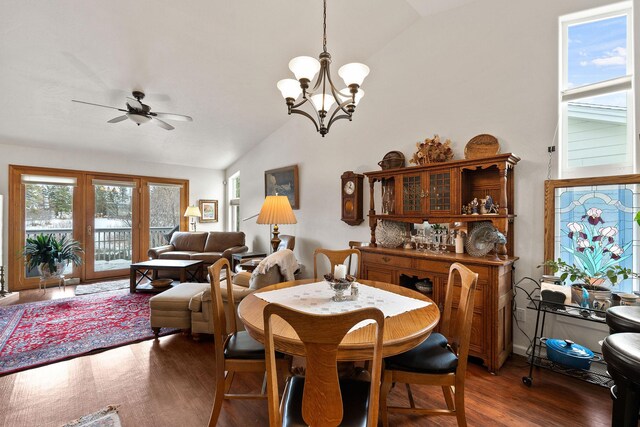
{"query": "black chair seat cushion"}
pixel 624 318
pixel 622 354
pixel 430 357
pixel 355 402
pixel 241 346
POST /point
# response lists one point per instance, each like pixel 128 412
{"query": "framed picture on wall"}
pixel 208 210
pixel 283 182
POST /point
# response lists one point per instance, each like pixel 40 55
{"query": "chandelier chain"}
pixel 324 28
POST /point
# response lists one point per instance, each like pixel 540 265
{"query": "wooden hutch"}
pixel 436 193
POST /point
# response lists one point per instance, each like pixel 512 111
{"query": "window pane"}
pixel 113 221
pixel 597 131
pixel 164 213
pixel 597 51
pixel 48 210
pixel 583 243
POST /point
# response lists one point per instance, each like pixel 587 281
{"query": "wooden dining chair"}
pixel 320 398
pixel 353 244
pixel 235 351
pixel 336 257
pixel 437 361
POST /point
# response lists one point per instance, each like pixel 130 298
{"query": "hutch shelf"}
pixel 436 193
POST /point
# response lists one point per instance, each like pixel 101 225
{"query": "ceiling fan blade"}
pixel 163 125
pixel 171 116
pixel 134 103
pixel 118 119
pixel 98 105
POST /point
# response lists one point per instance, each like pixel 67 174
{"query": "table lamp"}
pixel 192 212
pixel 276 210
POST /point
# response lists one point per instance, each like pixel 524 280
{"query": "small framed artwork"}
pixel 283 182
pixel 208 210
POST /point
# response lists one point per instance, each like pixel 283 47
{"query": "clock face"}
pixel 349 187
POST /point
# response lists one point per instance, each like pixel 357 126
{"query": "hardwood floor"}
pixel 169 382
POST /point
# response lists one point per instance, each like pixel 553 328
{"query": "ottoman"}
pixel 170 309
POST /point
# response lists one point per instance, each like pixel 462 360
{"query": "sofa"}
pixel 206 246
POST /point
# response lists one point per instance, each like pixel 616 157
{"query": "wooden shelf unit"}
pixel 436 193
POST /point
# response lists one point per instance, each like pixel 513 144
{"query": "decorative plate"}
pixel 483 145
pixel 482 239
pixel 389 234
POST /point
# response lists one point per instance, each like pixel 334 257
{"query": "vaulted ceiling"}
pixel 216 60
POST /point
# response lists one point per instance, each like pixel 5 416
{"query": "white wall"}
pixel 203 183
pixel 488 67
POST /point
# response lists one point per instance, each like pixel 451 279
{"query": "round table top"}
pixel 401 333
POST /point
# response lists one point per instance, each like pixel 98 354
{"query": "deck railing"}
pixel 109 243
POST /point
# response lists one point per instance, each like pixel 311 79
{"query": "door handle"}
pixel 89 228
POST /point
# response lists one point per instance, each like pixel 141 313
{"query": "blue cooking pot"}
pixel 568 353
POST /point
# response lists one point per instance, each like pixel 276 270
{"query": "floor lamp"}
pixel 276 210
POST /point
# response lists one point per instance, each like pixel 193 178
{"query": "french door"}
pixel 116 218
pixel 112 227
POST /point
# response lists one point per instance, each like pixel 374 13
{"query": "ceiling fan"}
pixel 141 113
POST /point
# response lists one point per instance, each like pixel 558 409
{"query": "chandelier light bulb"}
pixel 290 88
pixel 328 101
pixel 353 73
pixel 304 67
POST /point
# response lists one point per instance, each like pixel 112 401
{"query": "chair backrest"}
pixel 336 257
pixel 354 245
pixel 321 336
pixel 286 242
pixel 220 332
pixel 458 330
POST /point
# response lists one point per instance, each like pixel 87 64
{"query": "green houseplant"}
pixel 50 255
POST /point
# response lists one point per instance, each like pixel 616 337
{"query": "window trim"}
pixel 623 83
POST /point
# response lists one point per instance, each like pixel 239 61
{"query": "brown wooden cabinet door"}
pixel 380 274
pixel 438 193
pixel 413 200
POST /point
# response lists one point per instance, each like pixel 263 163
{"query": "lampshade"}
pixel 138 118
pixel 304 67
pixel 276 210
pixel 290 88
pixel 192 211
pixel 317 101
pixel 353 73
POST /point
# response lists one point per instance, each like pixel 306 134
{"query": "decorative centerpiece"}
pixel 339 284
pixel 596 259
pixel 432 151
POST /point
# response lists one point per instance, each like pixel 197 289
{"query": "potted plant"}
pixel 50 255
pixel 596 257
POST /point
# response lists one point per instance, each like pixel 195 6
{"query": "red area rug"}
pixel 40 333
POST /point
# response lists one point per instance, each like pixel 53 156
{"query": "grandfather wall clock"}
pixel 352 197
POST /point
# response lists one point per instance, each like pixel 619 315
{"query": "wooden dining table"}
pixel 401 332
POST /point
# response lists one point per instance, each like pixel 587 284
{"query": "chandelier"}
pixel 323 95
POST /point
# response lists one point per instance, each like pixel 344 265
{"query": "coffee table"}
pixel 189 270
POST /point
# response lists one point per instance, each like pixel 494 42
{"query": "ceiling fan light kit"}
pixel 323 94
pixel 140 113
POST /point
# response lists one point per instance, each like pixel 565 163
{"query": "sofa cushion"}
pixel 185 241
pixel 207 257
pixel 186 255
pixel 270 277
pixel 219 241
